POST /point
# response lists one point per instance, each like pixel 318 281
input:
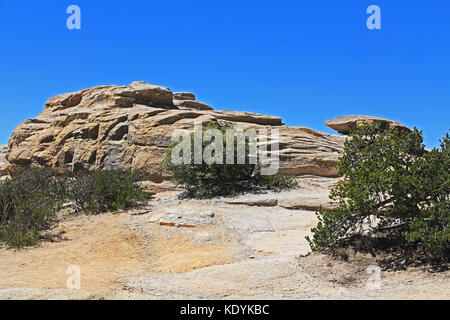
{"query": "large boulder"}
pixel 348 124
pixel 131 127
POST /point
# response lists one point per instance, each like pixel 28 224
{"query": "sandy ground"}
pixel 102 247
pixel 211 249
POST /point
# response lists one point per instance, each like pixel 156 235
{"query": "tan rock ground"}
pixel 205 249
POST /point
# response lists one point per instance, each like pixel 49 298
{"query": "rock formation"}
pixel 347 124
pixel 131 127
pixel 3 164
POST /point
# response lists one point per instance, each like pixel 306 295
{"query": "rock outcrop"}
pixel 3 163
pixel 186 100
pixel 348 124
pixel 131 127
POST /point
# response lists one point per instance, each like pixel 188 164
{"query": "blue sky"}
pixel 305 61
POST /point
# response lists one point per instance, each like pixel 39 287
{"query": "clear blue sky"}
pixel 305 61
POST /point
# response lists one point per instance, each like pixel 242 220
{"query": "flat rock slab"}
pixel 311 194
pixel 348 124
pixel 256 203
pixel 246 279
pixel 182 217
pixel 184 96
pixel 306 204
pixel 270 238
pixel 249 223
pixel 290 243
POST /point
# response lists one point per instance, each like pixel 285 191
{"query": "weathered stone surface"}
pixel 3 164
pixel 348 124
pixel 131 127
pixel 310 194
pixel 304 151
pixel 184 96
pixel 255 203
pixel 191 104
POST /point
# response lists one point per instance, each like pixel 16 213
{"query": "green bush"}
pixel 208 180
pixel 431 184
pixel 389 175
pixel 106 190
pixel 277 182
pixel 30 200
pixel 28 204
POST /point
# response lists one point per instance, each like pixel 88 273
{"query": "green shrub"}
pixel 28 204
pixel 389 175
pixel 106 190
pixel 431 181
pixel 277 182
pixel 208 180
pixel 30 200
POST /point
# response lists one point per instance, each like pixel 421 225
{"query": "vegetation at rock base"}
pixel 207 180
pixel 390 178
pixel 106 190
pixel 277 182
pixel 30 200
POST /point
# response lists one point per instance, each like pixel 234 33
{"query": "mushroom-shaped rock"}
pixel 348 124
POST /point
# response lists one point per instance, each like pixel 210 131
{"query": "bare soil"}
pixel 209 249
